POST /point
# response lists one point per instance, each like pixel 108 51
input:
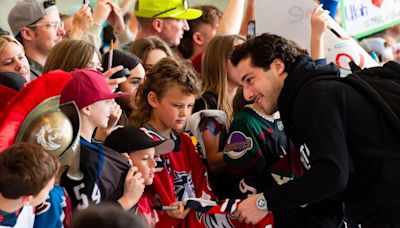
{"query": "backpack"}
pixel 381 85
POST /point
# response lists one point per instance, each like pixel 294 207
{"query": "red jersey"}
pixel 143 209
pixel 180 175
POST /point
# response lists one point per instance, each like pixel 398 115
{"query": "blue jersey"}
pixel 55 211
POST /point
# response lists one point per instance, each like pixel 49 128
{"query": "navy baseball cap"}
pixel 129 139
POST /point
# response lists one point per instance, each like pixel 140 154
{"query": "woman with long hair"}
pixel 150 50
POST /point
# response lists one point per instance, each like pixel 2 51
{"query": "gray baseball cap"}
pixel 26 12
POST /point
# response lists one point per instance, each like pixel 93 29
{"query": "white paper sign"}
pixel 363 17
pixel 291 19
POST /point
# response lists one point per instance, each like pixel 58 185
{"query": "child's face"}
pixel 173 109
pixel 100 112
pixel 144 161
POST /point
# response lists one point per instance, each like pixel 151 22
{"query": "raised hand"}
pixel 81 21
pixel 113 83
pixel 133 189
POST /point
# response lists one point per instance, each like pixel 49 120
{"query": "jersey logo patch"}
pixel 43 207
pixel 237 145
pixel 304 156
pixel 245 188
pixel 279 124
pixel 184 187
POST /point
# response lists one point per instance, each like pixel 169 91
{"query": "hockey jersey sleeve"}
pixel 247 155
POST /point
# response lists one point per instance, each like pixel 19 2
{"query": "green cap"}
pixel 177 9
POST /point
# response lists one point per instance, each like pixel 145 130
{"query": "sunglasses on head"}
pixel 184 4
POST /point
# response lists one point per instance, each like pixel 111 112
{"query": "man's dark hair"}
pixel 263 49
pixel 211 15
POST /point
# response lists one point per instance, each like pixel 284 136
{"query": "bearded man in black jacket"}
pixel 331 123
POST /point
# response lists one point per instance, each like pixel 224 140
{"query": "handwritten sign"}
pixel 364 17
pixel 291 19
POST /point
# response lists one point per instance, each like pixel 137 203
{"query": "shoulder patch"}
pixel 196 143
pixel 237 145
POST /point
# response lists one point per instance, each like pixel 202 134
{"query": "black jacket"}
pixel 329 122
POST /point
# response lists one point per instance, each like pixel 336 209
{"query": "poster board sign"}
pixel 361 18
pixel 291 19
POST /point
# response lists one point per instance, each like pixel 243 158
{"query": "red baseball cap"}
pixel 87 87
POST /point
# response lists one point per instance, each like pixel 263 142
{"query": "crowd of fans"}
pixel 174 116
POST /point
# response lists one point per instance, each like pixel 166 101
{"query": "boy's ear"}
pixel 86 110
pixel 26 199
pixel 152 99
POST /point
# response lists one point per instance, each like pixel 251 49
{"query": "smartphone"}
pixel 251 29
pixel 165 207
pixel 122 73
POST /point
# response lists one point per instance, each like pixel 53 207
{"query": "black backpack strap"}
pixel 353 66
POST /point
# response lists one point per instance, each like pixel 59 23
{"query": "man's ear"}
pixel 152 99
pixel 27 33
pixel 197 38
pixel 26 199
pixel 157 24
pixel 278 66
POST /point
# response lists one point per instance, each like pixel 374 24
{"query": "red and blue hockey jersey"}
pixel 180 175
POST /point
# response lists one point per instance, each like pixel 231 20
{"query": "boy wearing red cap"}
pixel 108 176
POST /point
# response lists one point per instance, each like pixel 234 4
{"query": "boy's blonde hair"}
pixel 167 73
